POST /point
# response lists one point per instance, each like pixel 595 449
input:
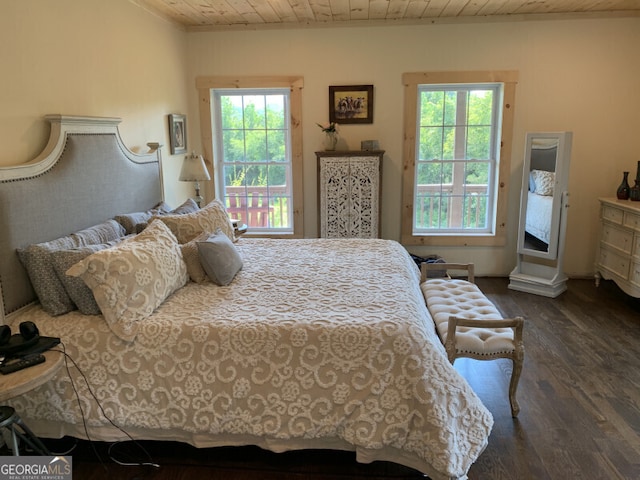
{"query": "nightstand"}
pixel 20 382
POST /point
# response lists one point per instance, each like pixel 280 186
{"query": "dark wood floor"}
pixel 579 396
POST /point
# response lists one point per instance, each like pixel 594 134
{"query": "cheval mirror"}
pixel 543 215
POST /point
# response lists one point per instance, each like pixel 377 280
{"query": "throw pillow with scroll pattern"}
pixel 192 258
pixel 189 206
pixel 544 182
pixel 132 279
pixel 208 219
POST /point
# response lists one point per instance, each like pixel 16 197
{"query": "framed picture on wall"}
pixel 178 133
pixel 351 104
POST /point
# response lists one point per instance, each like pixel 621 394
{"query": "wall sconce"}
pixel 194 170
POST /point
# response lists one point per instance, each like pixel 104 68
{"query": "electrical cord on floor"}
pixel 67 451
pixel 149 463
pixel 131 464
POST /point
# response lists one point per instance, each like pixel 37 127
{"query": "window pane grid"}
pixel 255 159
pixel 455 162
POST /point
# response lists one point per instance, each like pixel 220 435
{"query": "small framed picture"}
pixel 351 104
pixel 178 133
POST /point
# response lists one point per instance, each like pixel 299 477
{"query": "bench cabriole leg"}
pixel 518 360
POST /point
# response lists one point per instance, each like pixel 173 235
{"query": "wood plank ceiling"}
pixel 212 15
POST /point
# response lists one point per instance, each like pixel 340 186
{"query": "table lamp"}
pixel 194 170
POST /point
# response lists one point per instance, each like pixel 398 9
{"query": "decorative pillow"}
pixel 544 181
pixel 45 282
pixel 189 206
pixel 192 258
pixel 130 221
pixel 101 233
pixel 75 287
pixel 37 261
pixel 208 219
pixel 219 258
pixel 130 280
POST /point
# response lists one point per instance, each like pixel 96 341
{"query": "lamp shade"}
pixel 194 169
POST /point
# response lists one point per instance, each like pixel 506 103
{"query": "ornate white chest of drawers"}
pixel 618 257
pixel 349 193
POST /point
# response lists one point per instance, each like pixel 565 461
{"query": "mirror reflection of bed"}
pixel 543 215
pixel 533 243
pixel 540 193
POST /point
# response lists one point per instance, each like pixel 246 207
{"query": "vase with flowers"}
pixel 331 135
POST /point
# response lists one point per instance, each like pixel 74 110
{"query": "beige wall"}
pixel 90 57
pixel 578 75
pixel 93 57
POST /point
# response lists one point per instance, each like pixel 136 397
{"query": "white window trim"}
pixel 411 82
pixel 219 163
pixel 295 84
pixel 496 119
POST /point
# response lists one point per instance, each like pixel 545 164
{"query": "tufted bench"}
pixel 469 325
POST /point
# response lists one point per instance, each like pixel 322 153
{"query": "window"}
pixel 255 143
pixel 454 191
pixel 456 158
pixel 251 142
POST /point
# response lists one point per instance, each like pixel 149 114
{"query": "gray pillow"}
pixel 78 291
pixel 132 221
pixel 101 233
pixel 37 261
pixel 45 282
pixel 219 258
pixel 189 206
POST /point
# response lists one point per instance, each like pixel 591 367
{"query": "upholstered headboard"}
pixel 84 176
pixel 544 158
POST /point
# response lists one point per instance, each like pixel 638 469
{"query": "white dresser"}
pixel 618 257
pixel 349 193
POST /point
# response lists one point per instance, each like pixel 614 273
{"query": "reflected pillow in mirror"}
pixel 544 182
pixel 532 183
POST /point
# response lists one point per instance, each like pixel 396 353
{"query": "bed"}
pixel 314 343
pixel 538 219
pixel 540 191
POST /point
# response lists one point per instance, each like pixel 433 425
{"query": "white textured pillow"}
pixel 129 281
pixel 192 258
pixel 208 219
pixel 544 182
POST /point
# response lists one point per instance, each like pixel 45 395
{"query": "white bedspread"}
pixel 315 344
pixel 538 219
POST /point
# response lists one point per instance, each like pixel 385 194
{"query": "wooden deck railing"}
pixel 427 208
pixel 252 206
